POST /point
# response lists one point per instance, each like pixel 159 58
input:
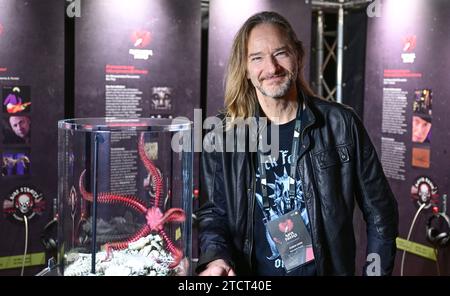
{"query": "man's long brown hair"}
pixel 240 94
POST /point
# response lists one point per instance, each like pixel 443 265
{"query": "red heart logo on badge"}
pixel 286 226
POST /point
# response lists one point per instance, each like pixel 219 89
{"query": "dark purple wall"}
pixel 31 58
pixel 426 26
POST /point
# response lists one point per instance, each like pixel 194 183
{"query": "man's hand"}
pixel 218 267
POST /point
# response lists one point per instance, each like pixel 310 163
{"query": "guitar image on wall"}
pixel 14 102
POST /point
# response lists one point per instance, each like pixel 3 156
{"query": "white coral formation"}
pixel 145 256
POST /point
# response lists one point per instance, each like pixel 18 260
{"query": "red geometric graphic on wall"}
pixel 141 39
pixel 409 43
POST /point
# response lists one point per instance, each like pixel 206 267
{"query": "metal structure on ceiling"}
pixel 331 51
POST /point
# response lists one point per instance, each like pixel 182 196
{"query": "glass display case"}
pixel 124 197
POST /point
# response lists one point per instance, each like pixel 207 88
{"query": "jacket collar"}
pixel 309 118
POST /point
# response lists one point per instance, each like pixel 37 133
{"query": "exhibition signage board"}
pixel 137 59
pixel 406 112
pixel 32 97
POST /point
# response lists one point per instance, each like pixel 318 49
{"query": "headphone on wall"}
pixel 47 236
pixel 437 237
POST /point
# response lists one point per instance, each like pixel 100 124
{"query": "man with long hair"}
pixel 291 214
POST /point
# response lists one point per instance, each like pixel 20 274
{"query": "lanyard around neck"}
pixel 292 175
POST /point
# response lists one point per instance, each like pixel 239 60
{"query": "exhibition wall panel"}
pixel 133 59
pixel 406 113
pixel 138 58
pixel 32 94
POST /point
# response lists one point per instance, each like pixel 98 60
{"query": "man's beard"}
pixel 280 90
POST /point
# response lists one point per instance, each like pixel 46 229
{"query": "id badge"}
pixel 292 239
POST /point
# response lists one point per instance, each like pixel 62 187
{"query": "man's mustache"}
pixel 283 74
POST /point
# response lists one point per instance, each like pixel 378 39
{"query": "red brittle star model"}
pixel 155 218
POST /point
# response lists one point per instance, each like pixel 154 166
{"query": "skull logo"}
pixel 24 203
pixel 161 98
pixel 424 192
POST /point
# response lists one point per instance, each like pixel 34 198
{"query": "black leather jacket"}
pixel 338 165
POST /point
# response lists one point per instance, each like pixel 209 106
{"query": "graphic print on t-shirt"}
pixel 278 194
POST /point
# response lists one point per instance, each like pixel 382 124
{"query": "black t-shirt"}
pixel 267 261
pixel 11 138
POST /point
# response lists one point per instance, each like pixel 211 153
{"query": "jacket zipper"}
pixel 252 209
pixel 308 201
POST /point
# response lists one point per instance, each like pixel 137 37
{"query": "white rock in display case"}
pixel 124 197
